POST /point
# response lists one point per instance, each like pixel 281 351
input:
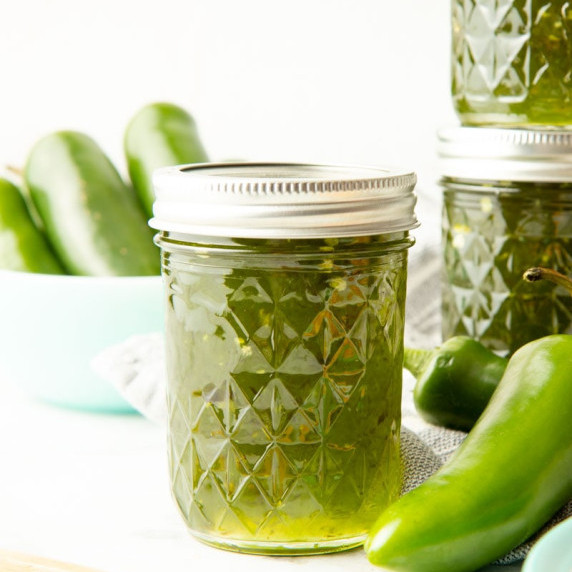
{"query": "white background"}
pixel 350 81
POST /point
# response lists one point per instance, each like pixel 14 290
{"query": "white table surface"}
pixel 93 489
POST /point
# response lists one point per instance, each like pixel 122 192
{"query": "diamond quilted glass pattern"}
pixel 284 398
pixel 512 61
pixel 490 239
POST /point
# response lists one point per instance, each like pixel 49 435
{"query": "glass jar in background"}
pixel 512 62
pixel 285 290
pixel 507 207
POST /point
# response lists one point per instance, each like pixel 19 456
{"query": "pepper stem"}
pixel 13 174
pixel 415 360
pixel 539 273
pixel 14 170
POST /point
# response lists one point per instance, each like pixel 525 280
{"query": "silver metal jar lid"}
pixel 493 154
pixel 282 200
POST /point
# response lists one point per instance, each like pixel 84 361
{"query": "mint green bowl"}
pixel 51 327
pixel 553 552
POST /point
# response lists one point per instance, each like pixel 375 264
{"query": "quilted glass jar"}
pixel 285 289
pixel 512 62
pixel 507 207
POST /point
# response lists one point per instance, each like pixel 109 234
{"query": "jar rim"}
pixel 283 200
pixel 494 153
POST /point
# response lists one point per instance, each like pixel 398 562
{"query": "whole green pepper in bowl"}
pixel 159 135
pixel 91 217
pixel 23 246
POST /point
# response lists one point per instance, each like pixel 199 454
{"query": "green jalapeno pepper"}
pixel 23 246
pixel 92 218
pixel 510 475
pixel 456 380
pixel 159 135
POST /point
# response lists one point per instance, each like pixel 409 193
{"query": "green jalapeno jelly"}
pixel 285 290
pixel 512 62
pixel 507 206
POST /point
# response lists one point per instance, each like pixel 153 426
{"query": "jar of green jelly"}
pixel 512 62
pixel 507 207
pixel 285 288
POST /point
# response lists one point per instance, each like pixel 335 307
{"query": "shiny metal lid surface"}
pixel 283 200
pixel 496 154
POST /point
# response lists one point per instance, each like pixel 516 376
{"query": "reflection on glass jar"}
pixel 495 227
pixel 512 62
pixel 284 378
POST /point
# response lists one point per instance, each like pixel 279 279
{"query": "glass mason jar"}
pixel 507 207
pixel 512 62
pixel 285 288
